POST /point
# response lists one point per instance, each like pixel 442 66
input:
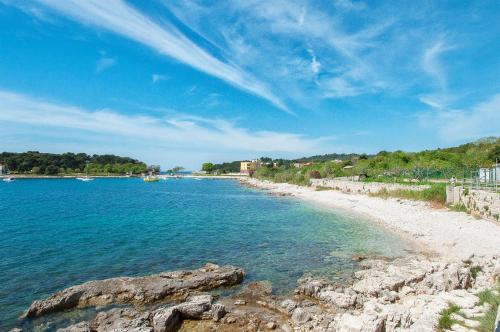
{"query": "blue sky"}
pixel 187 81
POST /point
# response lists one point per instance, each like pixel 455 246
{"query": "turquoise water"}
pixel 58 233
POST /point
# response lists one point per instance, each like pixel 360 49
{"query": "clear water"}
pixel 58 233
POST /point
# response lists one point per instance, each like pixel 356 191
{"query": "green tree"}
pixel 177 169
pixel 207 167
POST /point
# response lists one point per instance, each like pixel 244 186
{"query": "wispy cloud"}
pixel 431 62
pixel 123 19
pixel 189 133
pixel 104 63
pixel 155 78
pixel 350 5
pixel 455 125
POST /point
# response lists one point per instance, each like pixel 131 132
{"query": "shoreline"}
pixel 407 293
pixel 187 176
pixel 449 234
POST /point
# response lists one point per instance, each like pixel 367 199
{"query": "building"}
pixel 300 165
pixel 3 169
pixel 248 167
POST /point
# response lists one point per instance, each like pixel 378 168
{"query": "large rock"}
pixel 140 290
pixel 163 319
pixel 361 323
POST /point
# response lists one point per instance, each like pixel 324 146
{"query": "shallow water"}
pixel 58 233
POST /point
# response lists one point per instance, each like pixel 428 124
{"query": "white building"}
pixel 3 169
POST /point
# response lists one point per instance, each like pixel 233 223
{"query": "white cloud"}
pixel 104 63
pixel 182 132
pixel 456 125
pixel 120 18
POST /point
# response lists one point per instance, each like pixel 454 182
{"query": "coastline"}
pixel 407 293
pixel 449 234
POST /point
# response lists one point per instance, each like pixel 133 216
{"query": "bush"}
pixel 315 174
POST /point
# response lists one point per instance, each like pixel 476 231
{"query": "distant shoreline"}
pixel 43 177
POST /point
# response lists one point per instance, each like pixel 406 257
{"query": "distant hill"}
pixel 34 162
pixel 456 160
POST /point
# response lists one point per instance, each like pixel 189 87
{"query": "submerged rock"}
pixel 139 290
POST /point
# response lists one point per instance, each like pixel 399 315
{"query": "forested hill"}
pixel 34 162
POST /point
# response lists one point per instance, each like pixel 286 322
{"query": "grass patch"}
pixel 435 194
pixel 474 271
pixel 445 321
pixel 458 208
pixel 488 320
pixel 322 188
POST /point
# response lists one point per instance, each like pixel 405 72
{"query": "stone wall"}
pixel 363 187
pixel 483 203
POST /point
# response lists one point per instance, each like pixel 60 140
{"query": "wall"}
pixel 363 187
pixel 478 202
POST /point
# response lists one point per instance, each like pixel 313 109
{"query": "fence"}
pixel 486 178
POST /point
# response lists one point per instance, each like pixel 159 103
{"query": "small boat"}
pixel 85 179
pixel 151 179
pixel 8 180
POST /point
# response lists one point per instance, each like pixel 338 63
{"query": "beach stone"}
pixel 140 290
pixel 301 316
pixel 165 319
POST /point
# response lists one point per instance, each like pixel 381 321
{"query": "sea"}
pixel 55 233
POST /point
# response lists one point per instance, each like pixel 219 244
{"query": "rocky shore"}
pixel 405 294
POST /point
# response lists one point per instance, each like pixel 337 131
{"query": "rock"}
pixel 261 303
pixel 16 330
pixel 80 327
pixel 240 302
pixel 271 325
pixel 166 319
pixel 340 300
pixel 195 306
pixel 163 319
pixel 140 290
pixel 361 323
pixel 218 311
pixel 358 257
pixel 459 328
pixel 461 298
pixel 230 320
pixel 301 316
pixel 121 319
pixel 288 306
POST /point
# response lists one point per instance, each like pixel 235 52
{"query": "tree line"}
pixel 461 162
pixel 34 162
